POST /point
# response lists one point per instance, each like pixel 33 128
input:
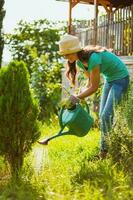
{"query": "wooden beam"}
pixel 91 2
pixel 105 5
pixel 75 2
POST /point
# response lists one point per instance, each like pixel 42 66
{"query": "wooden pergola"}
pixel 109 5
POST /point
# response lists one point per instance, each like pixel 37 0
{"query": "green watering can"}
pixel 77 120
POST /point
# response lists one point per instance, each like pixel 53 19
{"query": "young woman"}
pixel 95 61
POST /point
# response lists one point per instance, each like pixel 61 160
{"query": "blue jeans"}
pixel 111 96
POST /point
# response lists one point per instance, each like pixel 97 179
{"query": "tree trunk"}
pixel 15 163
pixel 2 15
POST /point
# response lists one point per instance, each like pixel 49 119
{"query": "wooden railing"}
pixel 114 30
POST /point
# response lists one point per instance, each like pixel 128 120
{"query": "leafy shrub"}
pixel 46 81
pixel 121 139
pixel 19 127
pixel 33 39
pixel 36 44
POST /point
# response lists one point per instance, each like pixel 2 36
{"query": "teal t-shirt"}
pixel 111 67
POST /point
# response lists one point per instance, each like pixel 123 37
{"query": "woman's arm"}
pixel 93 83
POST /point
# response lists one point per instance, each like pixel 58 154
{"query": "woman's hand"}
pixel 73 99
pixel 69 103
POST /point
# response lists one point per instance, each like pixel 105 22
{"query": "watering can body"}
pixel 77 120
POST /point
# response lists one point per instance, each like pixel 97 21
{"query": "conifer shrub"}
pixel 19 127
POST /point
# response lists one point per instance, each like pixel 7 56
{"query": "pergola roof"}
pixel 107 4
pixel 113 3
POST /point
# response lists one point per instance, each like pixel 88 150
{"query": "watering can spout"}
pixel 45 141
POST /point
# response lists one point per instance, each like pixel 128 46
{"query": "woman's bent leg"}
pixel 104 97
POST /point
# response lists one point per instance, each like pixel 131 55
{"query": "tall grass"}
pixel 67 169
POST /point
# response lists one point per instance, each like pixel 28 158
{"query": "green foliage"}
pixel 121 140
pixel 32 40
pixel 37 44
pixel 19 191
pixel 18 114
pixel 45 80
pixel 67 169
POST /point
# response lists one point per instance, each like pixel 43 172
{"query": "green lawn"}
pixel 67 169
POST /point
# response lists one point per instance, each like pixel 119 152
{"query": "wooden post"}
pixel 95 20
pixel 108 27
pixel 70 17
pixel 107 31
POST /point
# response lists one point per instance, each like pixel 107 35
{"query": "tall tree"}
pixel 2 14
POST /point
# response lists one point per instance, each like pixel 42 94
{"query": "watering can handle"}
pixel 87 107
pixel 60 117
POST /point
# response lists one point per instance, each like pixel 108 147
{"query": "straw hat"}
pixel 69 44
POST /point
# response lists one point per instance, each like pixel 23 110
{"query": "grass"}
pixel 66 169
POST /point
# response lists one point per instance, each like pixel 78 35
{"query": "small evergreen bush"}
pixel 19 127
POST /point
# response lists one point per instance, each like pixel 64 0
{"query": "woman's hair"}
pixel 83 56
pixel 71 72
